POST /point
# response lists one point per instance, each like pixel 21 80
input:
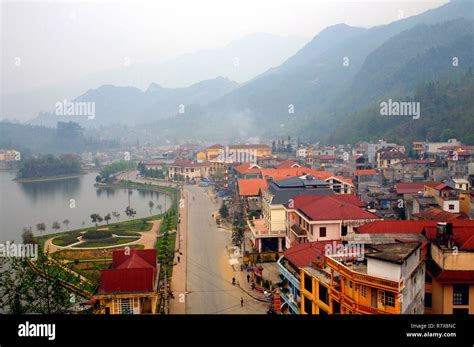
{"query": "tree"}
pixel 23 290
pixel 28 237
pixel 130 212
pixel 96 218
pixel 107 217
pixel 224 211
pixel 237 236
pixel 41 227
pixel 56 225
pixel 66 222
pixel 116 215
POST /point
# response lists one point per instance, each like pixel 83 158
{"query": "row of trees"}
pixel 107 173
pixel 49 165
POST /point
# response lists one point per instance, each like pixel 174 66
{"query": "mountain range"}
pixel 334 82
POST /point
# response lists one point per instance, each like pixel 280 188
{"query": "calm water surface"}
pixel 27 204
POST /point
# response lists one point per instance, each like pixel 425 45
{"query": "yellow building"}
pixel 388 279
pixel 450 270
pixel 238 153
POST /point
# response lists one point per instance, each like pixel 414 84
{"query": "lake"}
pixel 27 204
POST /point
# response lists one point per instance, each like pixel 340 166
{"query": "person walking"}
pixel 179 258
pixel 241 302
pixel 233 280
pixel 248 278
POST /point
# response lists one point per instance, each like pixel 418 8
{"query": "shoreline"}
pixel 46 179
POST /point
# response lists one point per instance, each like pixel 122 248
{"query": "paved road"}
pixel 209 273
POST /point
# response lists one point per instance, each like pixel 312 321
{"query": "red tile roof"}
pixel 251 186
pixel 297 171
pixel 463 230
pixel 132 272
pixel 247 168
pixel 366 172
pixel 332 207
pixel 413 187
pixel 440 215
pixel 184 163
pixel 344 180
pixel 287 164
pixel 304 254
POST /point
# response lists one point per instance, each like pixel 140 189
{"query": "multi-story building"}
pixel 388 156
pixel 183 169
pixel 449 255
pixel 268 233
pixel 324 217
pixel 450 270
pixel 238 153
pixel 289 266
pixel 385 279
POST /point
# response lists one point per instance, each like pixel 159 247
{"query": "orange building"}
pixel 386 279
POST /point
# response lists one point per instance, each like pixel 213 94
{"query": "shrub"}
pixel 96 235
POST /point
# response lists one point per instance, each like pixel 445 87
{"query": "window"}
pixel 387 298
pixel 363 291
pixel 350 284
pixel 322 232
pixel 461 311
pixel 451 206
pixel 308 283
pixel 336 307
pixel 323 293
pixel 428 300
pixel 308 306
pixel 461 294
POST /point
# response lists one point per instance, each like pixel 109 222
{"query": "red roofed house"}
pixel 287 164
pixel 439 215
pixel 249 192
pixel 324 217
pixel 247 170
pixel 130 285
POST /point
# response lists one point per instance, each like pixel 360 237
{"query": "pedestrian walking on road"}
pixel 233 281
pixel 179 258
pixel 241 302
pixel 248 278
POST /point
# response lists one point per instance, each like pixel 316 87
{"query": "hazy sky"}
pixel 49 42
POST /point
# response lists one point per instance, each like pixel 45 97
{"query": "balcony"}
pixel 361 278
pixel 259 229
pixel 291 275
pixel 291 302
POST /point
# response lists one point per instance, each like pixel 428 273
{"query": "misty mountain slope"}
pixel 316 84
pixel 446 112
pixel 255 54
pixel 128 105
pixel 426 55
